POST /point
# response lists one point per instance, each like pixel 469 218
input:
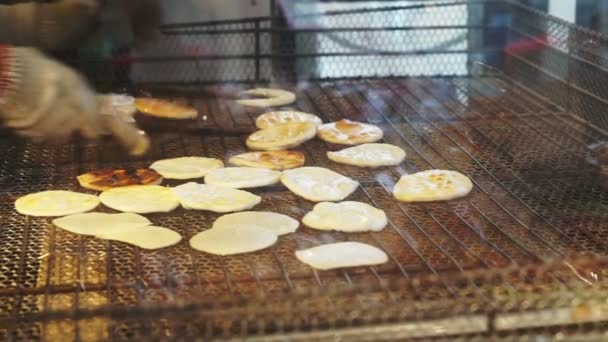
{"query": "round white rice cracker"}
pixel 214 198
pixel 277 223
pixel 347 132
pixel 186 167
pixel 101 223
pixel 273 97
pixel 148 237
pixel 273 160
pixel 55 203
pixel 318 184
pixel 233 239
pixel 346 216
pixel 130 228
pixel 281 137
pixel 242 177
pixel 286 116
pixel 369 155
pixel 140 199
pixel 432 185
pixel 341 254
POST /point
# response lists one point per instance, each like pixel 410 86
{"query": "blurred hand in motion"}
pixel 52 25
pixel 49 102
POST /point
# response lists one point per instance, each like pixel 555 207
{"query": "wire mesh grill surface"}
pixel 521 256
pixel 535 200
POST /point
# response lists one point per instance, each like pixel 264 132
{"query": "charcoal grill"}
pixel 522 257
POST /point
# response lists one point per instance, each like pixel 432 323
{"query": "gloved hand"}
pixel 53 26
pixel 47 101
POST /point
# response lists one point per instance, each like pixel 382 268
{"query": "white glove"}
pixel 47 101
pixel 116 112
pixel 54 25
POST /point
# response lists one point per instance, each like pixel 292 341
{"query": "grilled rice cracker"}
pixel 432 185
pixel 347 216
pixel 277 223
pixel 273 160
pixel 233 239
pixel 129 228
pixel 347 132
pixel 148 237
pixel 140 199
pixel 96 224
pixel 242 177
pixel 341 255
pixel 272 97
pixel 164 109
pixel 102 180
pixel 186 167
pixel 281 137
pixel 369 155
pixel 219 199
pixel 318 184
pixel 286 116
pixel 55 203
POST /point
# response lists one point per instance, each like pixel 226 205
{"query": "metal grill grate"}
pixel 535 200
pixel 523 256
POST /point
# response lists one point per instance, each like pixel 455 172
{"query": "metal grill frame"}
pixel 523 247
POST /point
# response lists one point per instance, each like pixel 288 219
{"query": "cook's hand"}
pixel 47 101
pixel 54 25
pixel 116 112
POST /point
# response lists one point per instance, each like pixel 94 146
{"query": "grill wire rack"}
pixel 517 106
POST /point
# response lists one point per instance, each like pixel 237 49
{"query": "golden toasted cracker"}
pixel 432 185
pixel 282 137
pixel 347 132
pixel 102 180
pixel 274 160
pixel 164 109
